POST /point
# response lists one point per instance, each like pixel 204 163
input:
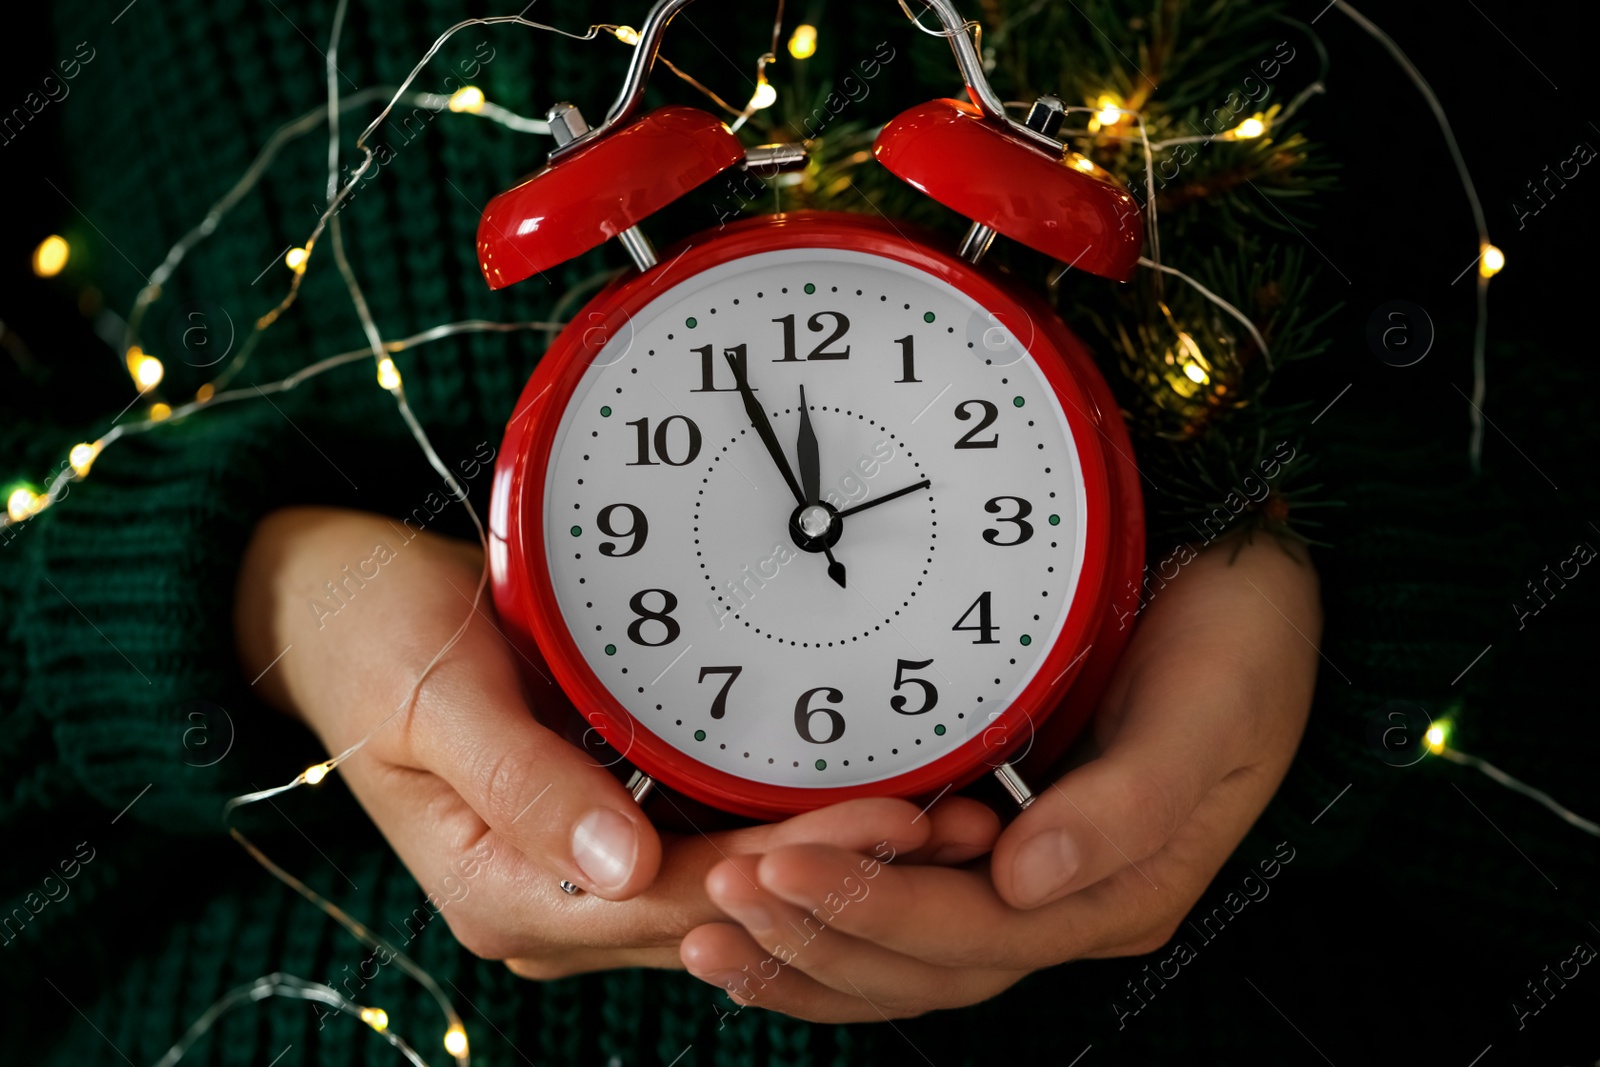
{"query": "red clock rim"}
pixel 525 595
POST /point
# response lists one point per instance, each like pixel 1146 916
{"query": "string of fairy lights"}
pixel 1108 117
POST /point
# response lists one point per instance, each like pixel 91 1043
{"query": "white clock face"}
pixel 668 520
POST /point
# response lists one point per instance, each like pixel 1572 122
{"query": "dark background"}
pixel 1385 951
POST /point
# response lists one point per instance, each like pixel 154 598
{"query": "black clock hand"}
pixel 835 568
pixel 883 499
pixel 806 449
pixel 811 478
pixel 738 359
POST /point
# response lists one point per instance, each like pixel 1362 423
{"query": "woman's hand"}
pixel 487 808
pixel 1194 734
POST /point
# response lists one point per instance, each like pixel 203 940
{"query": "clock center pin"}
pixel 815 520
pixel 815 527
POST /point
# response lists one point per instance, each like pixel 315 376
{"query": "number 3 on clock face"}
pixel 678 575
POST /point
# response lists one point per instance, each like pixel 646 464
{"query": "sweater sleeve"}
pixel 120 656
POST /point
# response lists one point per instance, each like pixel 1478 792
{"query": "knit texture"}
pixel 119 688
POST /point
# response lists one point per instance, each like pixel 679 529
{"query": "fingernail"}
pixel 605 845
pixel 750 916
pixel 1044 863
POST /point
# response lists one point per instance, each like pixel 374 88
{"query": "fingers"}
pixel 962 829
pixel 910 910
pixel 789 960
pixel 907 910
pixel 541 795
pixel 724 955
pixel 882 826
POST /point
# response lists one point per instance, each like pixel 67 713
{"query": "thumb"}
pixel 1119 809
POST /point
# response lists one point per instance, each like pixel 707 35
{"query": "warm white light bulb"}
pixel 455 1041
pixel 764 96
pixel 22 503
pixel 147 371
pixel 1195 372
pixel 82 457
pixel 1250 127
pixel 316 773
pixel 468 98
pixel 295 260
pixel 376 1018
pixel 388 374
pixel 1110 112
pixel 803 43
pixel 626 34
pixel 51 256
pixel 1491 262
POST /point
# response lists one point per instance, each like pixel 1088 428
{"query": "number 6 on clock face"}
pixel 670 533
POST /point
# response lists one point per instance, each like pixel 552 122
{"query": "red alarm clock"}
pixel 812 507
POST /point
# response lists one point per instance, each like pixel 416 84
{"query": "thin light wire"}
pixel 336 202
pixel 57 485
pixel 288 986
pixel 1481 331
pixel 1255 334
pixel 975 27
pixel 252 175
pixel 378 349
pixel 1518 786
pixel 360 931
pixel 289 131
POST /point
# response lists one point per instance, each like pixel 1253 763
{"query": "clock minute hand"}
pixel 884 499
pixel 738 359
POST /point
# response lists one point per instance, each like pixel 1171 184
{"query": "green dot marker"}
pixel 927 316
pixel 822 764
pixel 699 735
pixel 691 322
pixel 1025 639
pixel 605 413
pixel 809 290
pixel 1017 401
pixel 577 531
pixel 939 729
pixel 611 650
pixel 1055 520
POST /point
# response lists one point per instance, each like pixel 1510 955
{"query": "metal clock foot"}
pixel 639 786
pixel 1014 785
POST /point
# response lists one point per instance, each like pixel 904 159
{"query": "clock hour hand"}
pixel 884 499
pixel 738 359
pixel 806 450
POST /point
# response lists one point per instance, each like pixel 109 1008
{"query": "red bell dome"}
pixel 590 196
pixel 946 149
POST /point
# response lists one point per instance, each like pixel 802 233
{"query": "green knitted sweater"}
pixel 125 722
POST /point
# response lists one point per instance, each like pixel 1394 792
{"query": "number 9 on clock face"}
pixel 791 531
